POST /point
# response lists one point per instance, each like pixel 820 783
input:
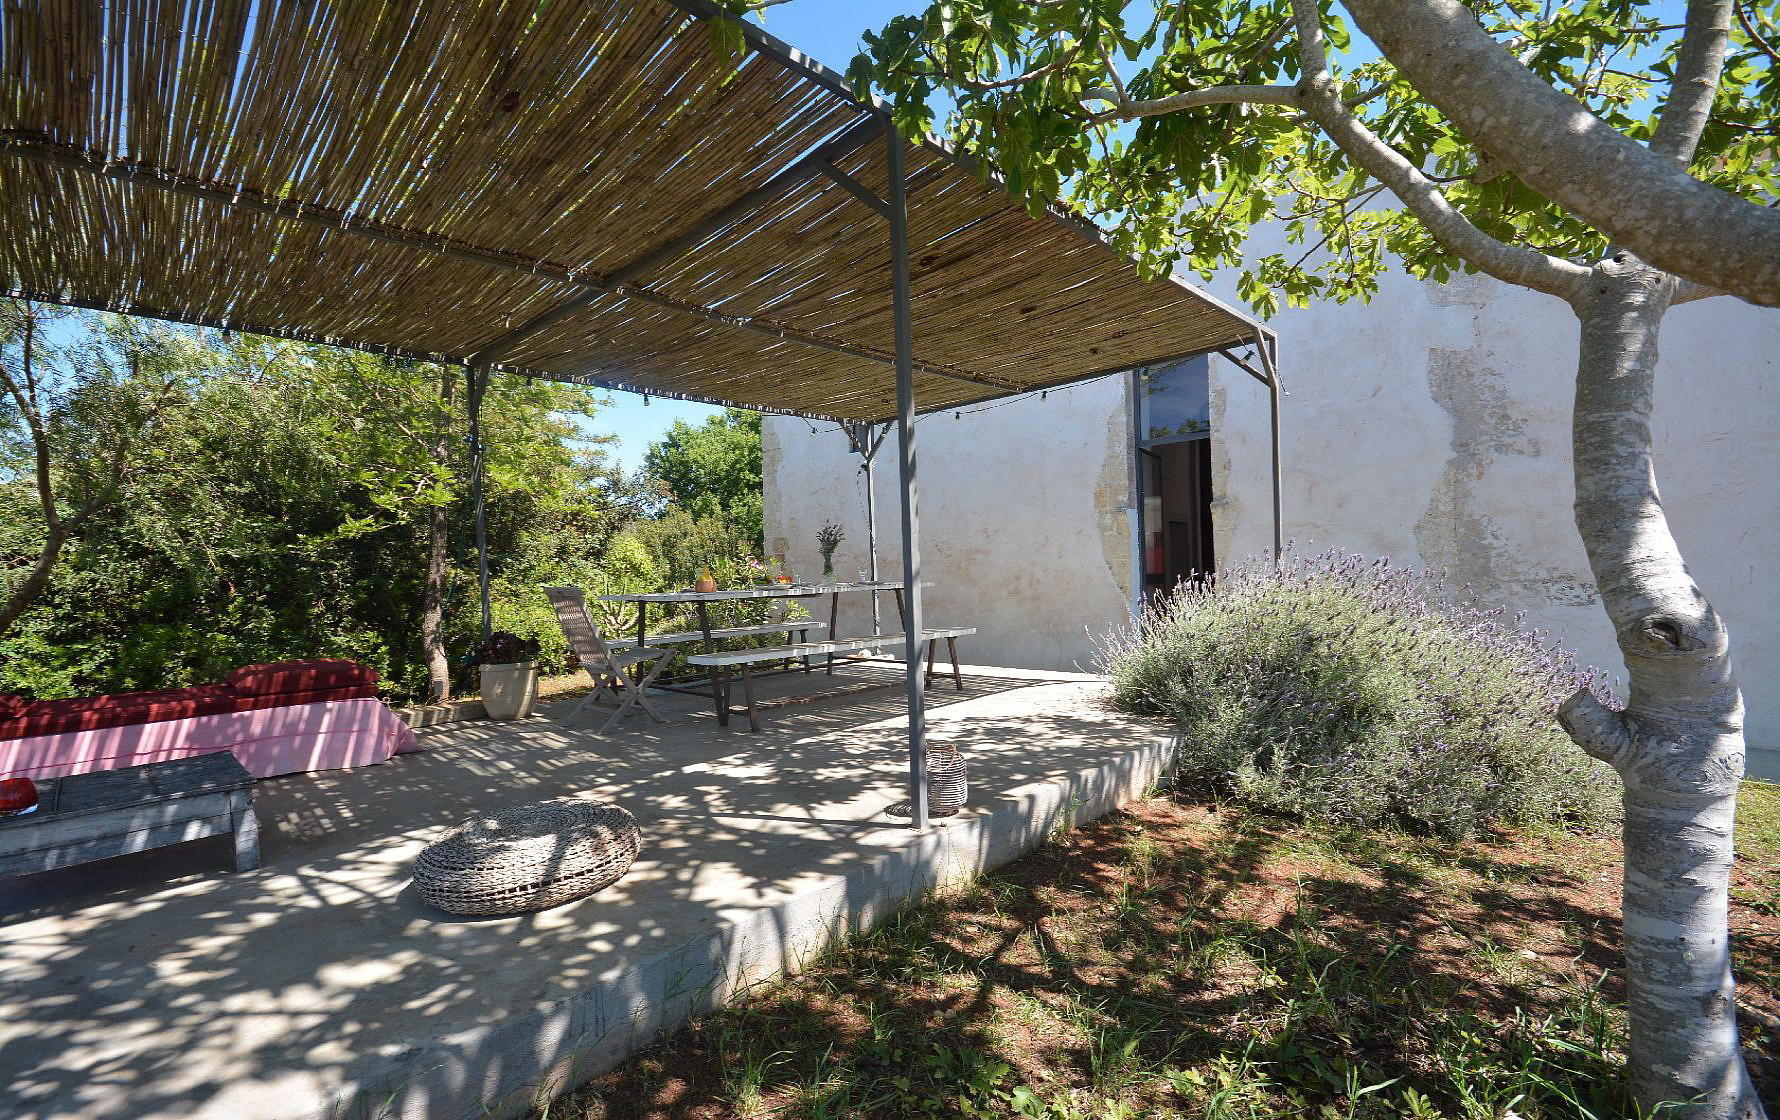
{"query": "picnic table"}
pixel 834 648
pixel 702 600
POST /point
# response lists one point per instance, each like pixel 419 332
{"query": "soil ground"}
pixel 1188 959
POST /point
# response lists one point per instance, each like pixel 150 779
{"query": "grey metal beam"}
pixel 793 59
pixel 1270 361
pixel 346 225
pixel 1242 363
pixel 773 330
pixel 854 187
pixel 905 432
pixel 866 439
pixel 776 49
pixel 299 335
pixel 1120 370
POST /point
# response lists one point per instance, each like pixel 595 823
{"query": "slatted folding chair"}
pixel 621 676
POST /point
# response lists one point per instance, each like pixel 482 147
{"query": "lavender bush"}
pixel 1364 695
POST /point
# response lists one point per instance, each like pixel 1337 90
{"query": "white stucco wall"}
pixel 1431 426
pixel 1024 532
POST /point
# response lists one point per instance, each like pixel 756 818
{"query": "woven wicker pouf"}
pixel 948 784
pixel 526 859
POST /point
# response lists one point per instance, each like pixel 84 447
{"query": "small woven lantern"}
pixel 530 858
pixel 948 785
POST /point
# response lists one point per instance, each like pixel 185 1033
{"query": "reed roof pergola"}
pixel 591 191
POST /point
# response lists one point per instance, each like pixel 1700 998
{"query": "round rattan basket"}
pixel 530 858
pixel 948 785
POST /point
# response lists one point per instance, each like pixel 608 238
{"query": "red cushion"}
pixel 93 713
pixel 90 713
pixel 315 696
pixel 300 676
pixel 12 706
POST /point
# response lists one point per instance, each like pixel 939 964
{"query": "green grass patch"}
pixel 1188 960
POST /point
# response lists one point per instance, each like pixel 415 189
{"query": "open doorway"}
pixel 1173 425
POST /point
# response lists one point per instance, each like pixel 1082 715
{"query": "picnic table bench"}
pixel 107 813
pixel 742 659
pixel 798 626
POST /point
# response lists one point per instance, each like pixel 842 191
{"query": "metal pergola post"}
pixel 866 439
pixel 478 378
pixel 871 543
pixel 1270 362
pixel 905 433
pixel 1266 346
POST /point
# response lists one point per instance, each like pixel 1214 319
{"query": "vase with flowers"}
pixel 829 538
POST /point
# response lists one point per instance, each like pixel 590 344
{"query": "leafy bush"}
pixel 1363 695
pixel 503 648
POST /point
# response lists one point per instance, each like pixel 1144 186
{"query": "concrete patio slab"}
pixel 163 985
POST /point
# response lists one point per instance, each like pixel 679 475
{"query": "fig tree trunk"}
pixel 1678 745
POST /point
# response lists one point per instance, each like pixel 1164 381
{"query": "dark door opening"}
pixel 1177 514
pixel 1174 473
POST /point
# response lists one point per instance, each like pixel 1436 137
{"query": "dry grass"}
pixel 1190 960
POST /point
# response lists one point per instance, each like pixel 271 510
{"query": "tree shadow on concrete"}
pixel 162 984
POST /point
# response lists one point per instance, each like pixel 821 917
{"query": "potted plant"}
pixel 507 670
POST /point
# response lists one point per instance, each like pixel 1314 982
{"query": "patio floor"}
pixel 162 984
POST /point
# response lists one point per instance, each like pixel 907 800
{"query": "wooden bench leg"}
pixel 247 831
pixel 932 647
pixel 957 677
pixel 748 694
pixel 834 618
pixel 808 665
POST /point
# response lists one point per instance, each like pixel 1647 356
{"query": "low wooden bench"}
pixel 741 659
pixel 108 813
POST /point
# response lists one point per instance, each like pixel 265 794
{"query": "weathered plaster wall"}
pixel 1432 426
pixel 1023 525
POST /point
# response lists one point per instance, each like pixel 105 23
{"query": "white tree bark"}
pixel 1678 746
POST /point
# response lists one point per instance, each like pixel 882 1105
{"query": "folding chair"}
pixel 623 676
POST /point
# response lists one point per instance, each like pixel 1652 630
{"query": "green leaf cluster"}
pixel 281 506
pixel 1258 189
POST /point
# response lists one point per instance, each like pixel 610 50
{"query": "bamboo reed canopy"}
pixel 596 191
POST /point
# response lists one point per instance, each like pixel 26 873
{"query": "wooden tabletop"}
pixel 105 790
pixel 777 591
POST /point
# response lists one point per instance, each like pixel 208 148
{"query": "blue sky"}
pixel 829 33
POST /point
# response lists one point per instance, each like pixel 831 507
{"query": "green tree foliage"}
pixel 273 499
pixel 282 514
pixel 713 470
pixel 80 418
pixel 1179 126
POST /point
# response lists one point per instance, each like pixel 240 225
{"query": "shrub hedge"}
pixel 1363 695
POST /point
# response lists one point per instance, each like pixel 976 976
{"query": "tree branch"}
pixel 1597 729
pixel 1698 65
pixel 980 85
pixel 1755 36
pixel 1321 99
pixel 1191 99
pixel 1638 198
pixel 25 396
